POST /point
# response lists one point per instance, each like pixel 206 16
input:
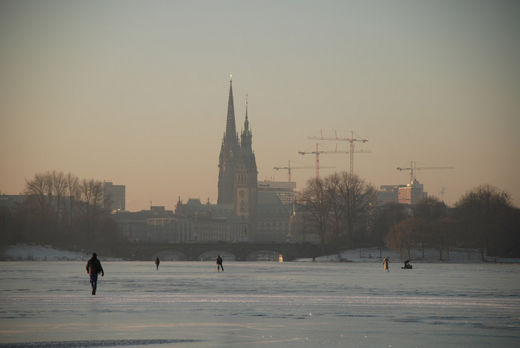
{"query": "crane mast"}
pixel 351 140
pixel 289 168
pixel 413 169
pixel 317 160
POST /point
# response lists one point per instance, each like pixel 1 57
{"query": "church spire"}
pixel 246 123
pixel 231 132
pixel 246 133
pixel 229 155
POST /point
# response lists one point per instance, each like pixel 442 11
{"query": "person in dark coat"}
pixel 93 269
pixel 407 265
pixel 157 262
pixel 219 263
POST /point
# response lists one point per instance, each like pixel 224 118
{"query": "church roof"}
pixel 268 198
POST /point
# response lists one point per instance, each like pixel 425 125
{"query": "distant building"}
pixel 114 196
pixel 283 189
pixel 156 225
pixel 388 194
pixel 245 211
pixel 276 201
pixel 412 193
pixel 409 194
pixel 213 222
pixel 237 178
pixel 273 218
pixel 11 202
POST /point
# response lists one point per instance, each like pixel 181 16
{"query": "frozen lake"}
pixel 260 304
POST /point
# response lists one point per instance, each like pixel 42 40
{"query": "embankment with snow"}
pixel 28 252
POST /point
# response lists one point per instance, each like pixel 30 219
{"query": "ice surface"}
pixel 260 304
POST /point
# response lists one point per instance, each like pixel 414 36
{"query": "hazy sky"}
pixel 135 92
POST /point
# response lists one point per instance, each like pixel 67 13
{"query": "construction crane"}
pixel 318 153
pixel 413 168
pixel 351 140
pixel 289 168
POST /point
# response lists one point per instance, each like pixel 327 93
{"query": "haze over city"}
pixel 136 92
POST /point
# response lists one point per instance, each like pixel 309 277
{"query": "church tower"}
pixel 229 154
pixel 246 180
pixel 237 179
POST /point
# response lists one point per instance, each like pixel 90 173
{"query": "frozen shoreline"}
pixel 27 252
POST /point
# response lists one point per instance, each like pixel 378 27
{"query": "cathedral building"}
pixel 237 179
pixel 244 211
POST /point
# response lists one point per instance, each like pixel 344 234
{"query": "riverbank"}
pixel 28 252
pixel 456 255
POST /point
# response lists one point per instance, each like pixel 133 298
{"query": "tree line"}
pixel 61 210
pixel 64 211
pixel 343 209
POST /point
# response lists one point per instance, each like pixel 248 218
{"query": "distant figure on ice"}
pixel 93 269
pixel 219 263
pixel 407 265
pixel 385 264
pixel 157 262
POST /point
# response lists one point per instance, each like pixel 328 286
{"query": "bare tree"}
pixel 35 189
pixel 59 185
pixel 483 211
pixel 315 198
pixel 404 235
pixel 74 194
pixel 46 217
pixel 356 198
pixel 92 196
pixel 440 235
pixel 332 186
pixel 49 186
pixel 340 204
pixel 386 216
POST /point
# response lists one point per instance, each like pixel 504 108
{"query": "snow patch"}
pixel 22 252
pixel 456 255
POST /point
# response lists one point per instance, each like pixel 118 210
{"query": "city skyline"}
pixel 136 93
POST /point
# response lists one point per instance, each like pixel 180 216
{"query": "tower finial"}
pixel 230 77
pixel 247 102
pixel 246 122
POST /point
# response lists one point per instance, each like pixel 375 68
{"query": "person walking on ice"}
pixel 219 263
pixel 385 264
pixel 93 269
pixel 157 262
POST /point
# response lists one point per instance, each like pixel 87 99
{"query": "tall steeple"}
pixel 231 131
pixel 237 178
pixel 246 134
pixel 229 154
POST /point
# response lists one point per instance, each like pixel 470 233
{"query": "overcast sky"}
pixel 135 92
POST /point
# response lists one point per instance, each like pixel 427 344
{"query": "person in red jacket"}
pixel 93 269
